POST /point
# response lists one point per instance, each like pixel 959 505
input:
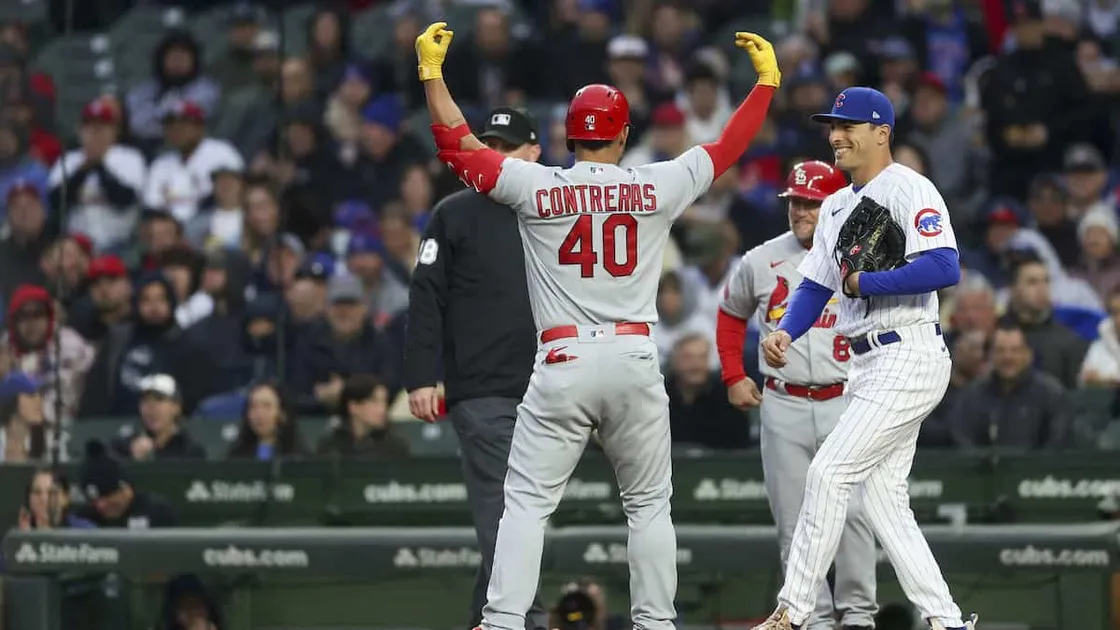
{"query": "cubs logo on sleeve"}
pixel 928 222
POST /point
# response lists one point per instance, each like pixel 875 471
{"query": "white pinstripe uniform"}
pixel 795 424
pixel 891 389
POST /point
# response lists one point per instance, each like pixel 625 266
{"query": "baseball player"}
pixel 593 237
pixel 898 371
pixel 805 397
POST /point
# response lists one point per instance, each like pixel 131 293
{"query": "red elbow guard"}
pixel 478 169
pixel 731 334
pixel 447 138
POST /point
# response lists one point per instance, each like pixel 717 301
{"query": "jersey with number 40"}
pixel 594 234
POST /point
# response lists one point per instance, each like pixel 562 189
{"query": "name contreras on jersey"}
pixel 580 198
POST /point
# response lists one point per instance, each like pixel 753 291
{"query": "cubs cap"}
pixel 510 125
pixel 860 105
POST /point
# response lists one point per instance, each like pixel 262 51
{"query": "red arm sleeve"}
pixel 477 169
pixel 731 334
pixel 741 129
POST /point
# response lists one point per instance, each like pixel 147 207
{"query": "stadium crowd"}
pixel 234 235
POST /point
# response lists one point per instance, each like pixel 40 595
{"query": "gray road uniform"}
pixel 801 404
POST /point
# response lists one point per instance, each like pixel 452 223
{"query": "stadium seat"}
pixel 294 24
pixel 25 11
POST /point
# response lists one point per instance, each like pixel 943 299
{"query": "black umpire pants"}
pixel 485 430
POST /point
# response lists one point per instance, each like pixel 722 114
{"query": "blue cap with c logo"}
pixel 860 105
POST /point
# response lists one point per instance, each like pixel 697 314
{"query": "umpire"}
pixel 469 298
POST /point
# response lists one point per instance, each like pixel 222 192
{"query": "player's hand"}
pixel 774 348
pixel 744 394
pixel 851 284
pixel 762 56
pixel 431 50
pixel 423 403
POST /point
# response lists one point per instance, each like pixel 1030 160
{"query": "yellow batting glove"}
pixel 431 49
pixel 762 56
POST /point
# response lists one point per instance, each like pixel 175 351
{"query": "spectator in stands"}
pixel 102 181
pixel 176 77
pixel 17 165
pixel 219 223
pixel 152 343
pixel 1086 178
pixel 343 115
pixel 974 306
pixel 304 156
pixel 1101 367
pixel 47 503
pixel 677 315
pixel 1057 349
pixel 386 151
pixel 282 260
pixel 262 219
pixel 626 68
pixel 109 302
pixel 23 429
pixel 603 618
pixel 698 409
pixel 65 265
pixel 112 502
pixel 364 429
pixel 233 69
pixel 898 69
pixel 946 43
pixel 60 362
pixel 672 41
pixel 235 118
pixel 1100 260
pixel 970 363
pixel 27 238
pixel 182 266
pixel 711 250
pixel 912 156
pixel 1048 201
pixel 188 605
pixel 955 164
pixel 1049 109
pixel 666 139
pixel 263 118
pixel 161 434
pixel 159 233
pixel 181 179
pixel 401 241
pixel 385 294
pixel 1016 405
pixel 255 355
pixel 417 194
pixel 34 113
pixel 306 297
pixel 575 611
pixel 493 69
pixel 328 49
pixel 268 426
pixel 1000 222
pixel 706 103
pixel 14 34
pixel 341 344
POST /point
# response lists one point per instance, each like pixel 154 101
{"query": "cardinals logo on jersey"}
pixel 779 299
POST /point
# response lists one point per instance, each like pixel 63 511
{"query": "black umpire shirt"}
pixel 469 294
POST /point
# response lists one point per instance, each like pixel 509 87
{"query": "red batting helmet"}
pixel 597 112
pixel 813 180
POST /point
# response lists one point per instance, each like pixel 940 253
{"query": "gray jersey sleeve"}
pixel 739 293
pixel 516 183
pixel 682 180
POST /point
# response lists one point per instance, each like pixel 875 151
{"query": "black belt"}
pixel 862 343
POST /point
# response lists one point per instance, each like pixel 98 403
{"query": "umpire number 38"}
pixel 578 247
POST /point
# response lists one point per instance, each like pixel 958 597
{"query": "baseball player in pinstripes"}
pixel 805 398
pixel 594 236
pixel 898 372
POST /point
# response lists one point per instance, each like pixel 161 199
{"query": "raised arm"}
pixel 476 165
pixel 748 117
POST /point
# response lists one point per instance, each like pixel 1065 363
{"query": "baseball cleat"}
pixel 777 621
pixel 968 625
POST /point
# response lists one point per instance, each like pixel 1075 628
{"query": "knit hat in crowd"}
pixel 101 475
